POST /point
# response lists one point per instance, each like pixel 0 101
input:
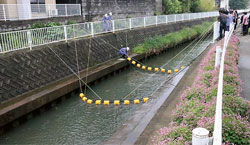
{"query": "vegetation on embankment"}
pixel 187 6
pixel 198 104
pixel 171 39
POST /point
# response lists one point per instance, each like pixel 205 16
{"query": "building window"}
pixel 38 6
pixel 37 1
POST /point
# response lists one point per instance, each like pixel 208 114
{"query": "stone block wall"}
pixel 95 9
pixel 24 70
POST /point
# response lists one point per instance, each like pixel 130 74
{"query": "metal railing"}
pixel 37 11
pixel 11 41
pixel 217 134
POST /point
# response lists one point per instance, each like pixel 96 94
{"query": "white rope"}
pixel 158 72
pixel 77 63
pixel 192 48
pixel 73 71
pixel 90 44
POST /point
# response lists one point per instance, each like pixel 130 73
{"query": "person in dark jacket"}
pixel 236 16
pixel 124 52
pixel 223 21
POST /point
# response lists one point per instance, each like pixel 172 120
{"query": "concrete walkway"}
pixel 244 65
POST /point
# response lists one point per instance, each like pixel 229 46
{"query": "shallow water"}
pixel 75 122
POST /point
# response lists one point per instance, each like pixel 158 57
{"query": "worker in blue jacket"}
pixel 124 52
pixel 105 22
pixel 109 21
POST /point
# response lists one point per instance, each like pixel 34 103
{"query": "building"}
pixel 35 9
pixel 95 9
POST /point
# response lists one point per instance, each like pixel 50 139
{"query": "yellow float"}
pixel 150 68
pixel 169 71
pixel 143 67
pixel 163 70
pixel 156 69
pixel 145 100
pixel 136 101
pixel 176 70
pixel 133 62
pixel 81 95
pixel 89 101
pixel 106 102
pixel 84 99
pixel 126 102
pixel 117 102
pixel 98 102
pixel 138 65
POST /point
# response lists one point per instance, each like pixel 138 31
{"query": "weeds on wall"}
pixel 171 39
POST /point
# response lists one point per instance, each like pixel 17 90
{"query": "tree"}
pixel 207 5
pixel 195 6
pixel 172 6
pixel 185 6
pixel 238 4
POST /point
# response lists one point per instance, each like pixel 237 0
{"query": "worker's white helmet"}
pixel 106 15
pixel 127 48
pixel 110 13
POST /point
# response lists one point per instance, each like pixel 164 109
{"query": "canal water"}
pixel 75 122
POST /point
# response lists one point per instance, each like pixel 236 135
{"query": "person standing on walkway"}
pixel 109 21
pixel 248 22
pixel 230 20
pixel 105 22
pixel 245 24
pixel 236 16
pixel 223 22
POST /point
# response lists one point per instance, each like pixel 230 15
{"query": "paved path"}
pixel 244 65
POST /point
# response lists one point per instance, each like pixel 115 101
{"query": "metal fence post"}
pixel 49 11
pixel 92 29
pixel 156 20
pixel 217 56
pixel 65 33
pixel 4 13
pixel 130 23
pixel 144 21
pixel 29 39
pixel 66 10
pixel 113 25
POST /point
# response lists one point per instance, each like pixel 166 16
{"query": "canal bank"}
pixel 41 72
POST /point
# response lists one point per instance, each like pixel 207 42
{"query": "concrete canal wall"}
pixel 31 79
